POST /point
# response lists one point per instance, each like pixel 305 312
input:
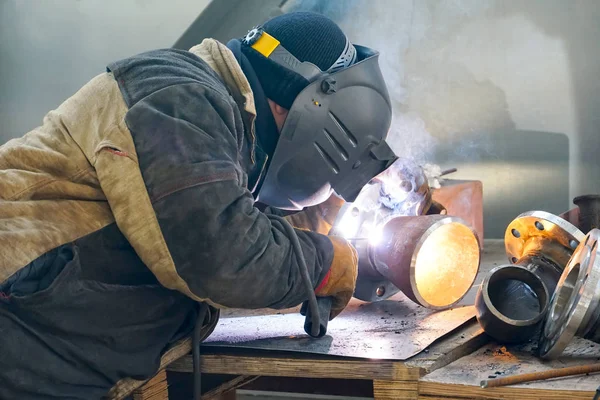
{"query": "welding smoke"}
pixel 400 190
pixel 403 188
pixel 365 24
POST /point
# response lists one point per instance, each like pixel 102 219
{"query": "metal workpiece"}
pixel 398 191
pixel 575 306
pixel 432 259
pixel 543 243
pixel 371 286
pixel 589 211
pixel 511 303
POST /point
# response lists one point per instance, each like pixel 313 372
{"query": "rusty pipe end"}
pixel 511 304
pixel 589 211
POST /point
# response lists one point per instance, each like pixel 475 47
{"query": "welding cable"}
pixel 312 303
pixel 312 298
pixel 196 340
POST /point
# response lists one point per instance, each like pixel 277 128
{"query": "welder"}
pixel 152 191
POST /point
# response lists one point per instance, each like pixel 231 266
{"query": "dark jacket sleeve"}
pixel 188 139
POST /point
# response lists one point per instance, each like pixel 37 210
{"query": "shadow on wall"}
pixel 576 24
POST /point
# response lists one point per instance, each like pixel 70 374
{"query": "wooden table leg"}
pixel 395 390
pixel 155 389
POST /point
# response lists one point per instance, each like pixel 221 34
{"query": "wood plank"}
pixel 126 386
pixel 228 386
pixel 299 367
pixel 462 377
pixel 501 393
pixel 395 390
pixel 322 386
pixel 155 389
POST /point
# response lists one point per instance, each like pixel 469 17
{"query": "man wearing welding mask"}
pixel 151 191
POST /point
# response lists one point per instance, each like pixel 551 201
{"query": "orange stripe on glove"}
pixel 340 281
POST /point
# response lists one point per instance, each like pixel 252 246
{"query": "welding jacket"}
pixel 128 206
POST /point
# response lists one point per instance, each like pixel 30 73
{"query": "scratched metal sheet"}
pixel 395 329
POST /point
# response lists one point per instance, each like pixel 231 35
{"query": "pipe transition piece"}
pixel 543 243
pixel 432 259
pixel 511 303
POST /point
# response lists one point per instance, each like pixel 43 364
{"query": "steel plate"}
pixel 394 329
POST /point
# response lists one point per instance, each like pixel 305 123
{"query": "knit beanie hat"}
pixel 307 36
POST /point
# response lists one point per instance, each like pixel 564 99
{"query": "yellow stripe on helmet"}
pixel 265 44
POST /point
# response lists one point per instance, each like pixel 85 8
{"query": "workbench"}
pixel 450 368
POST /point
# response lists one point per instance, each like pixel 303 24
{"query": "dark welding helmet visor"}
pixel 334 136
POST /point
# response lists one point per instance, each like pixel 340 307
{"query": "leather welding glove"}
pixel 340 281
pixel 319 218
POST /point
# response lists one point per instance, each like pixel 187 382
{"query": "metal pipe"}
pixel 575 307
pixel 538 242
pixel 543 243
pixel 511 303
pixel 432 259
pixel 448 171
pixel 589 211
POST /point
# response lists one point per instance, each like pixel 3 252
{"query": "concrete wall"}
pixel 49 48
pixel 227 19
pixel 507 91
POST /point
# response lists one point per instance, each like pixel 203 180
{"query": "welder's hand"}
pixel 340 281
pixel 318 218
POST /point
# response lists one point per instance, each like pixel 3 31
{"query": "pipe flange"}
pixel 575 301
pixel 539 225
pixel 511 303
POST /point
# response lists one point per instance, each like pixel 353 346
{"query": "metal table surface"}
pixel 394 329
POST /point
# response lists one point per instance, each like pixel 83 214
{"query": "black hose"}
pixel 312 304
pixel 196 339
pixel 312 298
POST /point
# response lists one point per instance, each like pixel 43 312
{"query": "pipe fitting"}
pixel 589 211
pixel 543 243
pixel 575 306
pixel 511 303
pixel 432 259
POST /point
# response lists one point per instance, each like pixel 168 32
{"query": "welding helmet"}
pixel 334 136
